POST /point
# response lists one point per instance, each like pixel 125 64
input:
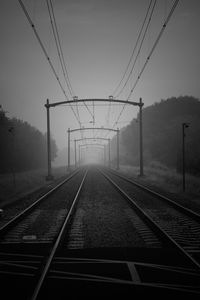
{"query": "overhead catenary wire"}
pixel 134 49
pixel 63 63
pixel 46 54
pixel 141 70
pixel 149 56
pixel 154 46
pixel 61 56
pixel 58 45
pixel 60 52
pixel 139 50
pixel 149 13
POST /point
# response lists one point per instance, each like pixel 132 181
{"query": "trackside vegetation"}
pixel 162 135
pixel 22 146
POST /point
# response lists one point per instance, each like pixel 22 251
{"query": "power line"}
pixel 135 47
pixel 58 45
pixel 141 43
pixel 154 46
pixel 149 56
pixel 137 41
pixel 61 56
pixel 60 52
pixel 45 53
pixel 139 50
pixel 62 60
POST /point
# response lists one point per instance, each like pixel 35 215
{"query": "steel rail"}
pixel 166 238
pixel 181 208
pixel 103 279
pixel 10 224
pixel 57 242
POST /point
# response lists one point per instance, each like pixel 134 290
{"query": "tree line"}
pixel 22 146
pixel 162 135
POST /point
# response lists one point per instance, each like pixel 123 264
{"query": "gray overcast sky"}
pixel 98 37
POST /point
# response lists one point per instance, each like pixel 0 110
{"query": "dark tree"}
pixel 22 146
pixel 162 129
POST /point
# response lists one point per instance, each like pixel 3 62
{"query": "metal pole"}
pixel 12 131
pixel 183 155
pixel 75 153
pixel 141 139
pixel 109 153
pixel 102 155
pixel 68 148
pixel 79 155
pixel 117 148
pixel 49 176
pixel 184 125
pixel 14 156
pixel 105 155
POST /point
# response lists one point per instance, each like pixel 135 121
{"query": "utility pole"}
pixel 49 176
pixel 184 125
pixel 109 153
pixel 12 131
pixel 117 148
pixel 68 149
pixel 75 153
pixel 79 155
pixel 104 155
pixel 141 139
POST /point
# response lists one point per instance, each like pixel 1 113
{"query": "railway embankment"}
pixel 163 180
pixel 168 183
pixel 29 184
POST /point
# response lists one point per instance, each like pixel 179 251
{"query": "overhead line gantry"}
pixel 50 105
pixel 94 139
pixel 93 145
pixel 93 128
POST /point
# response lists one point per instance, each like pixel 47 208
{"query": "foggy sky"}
pixel 98 37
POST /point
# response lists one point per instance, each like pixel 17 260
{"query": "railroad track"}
pixel 27 237
pixel 103 245
pixel 179 222
pixel 17 210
